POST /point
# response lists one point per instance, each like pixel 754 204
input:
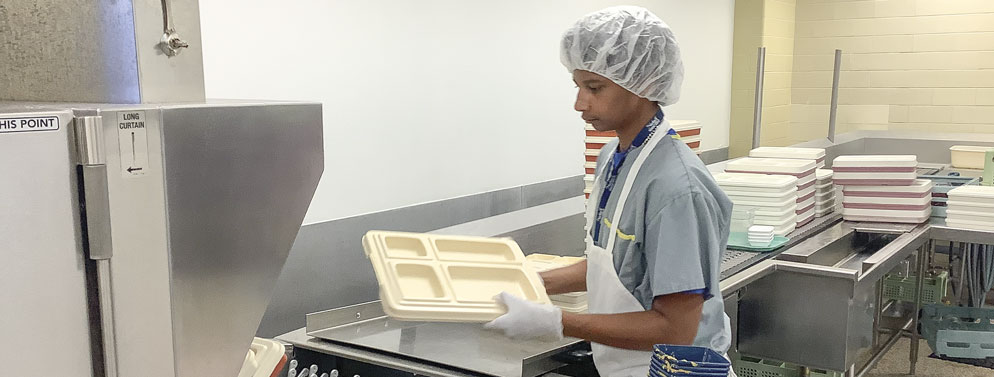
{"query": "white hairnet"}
pixel 630 46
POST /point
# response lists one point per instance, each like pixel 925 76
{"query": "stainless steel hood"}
pixel 173 222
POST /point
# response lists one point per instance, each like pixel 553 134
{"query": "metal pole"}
pixel 919 284
pixel 878 309
pixel 757 119
pixel 835 96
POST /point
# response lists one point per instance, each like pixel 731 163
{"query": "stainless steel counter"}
pixel 456 348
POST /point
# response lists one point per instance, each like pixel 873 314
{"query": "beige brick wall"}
pixel 768 23
pixel 907 65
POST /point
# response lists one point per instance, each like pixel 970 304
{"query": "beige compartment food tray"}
pixel 426 277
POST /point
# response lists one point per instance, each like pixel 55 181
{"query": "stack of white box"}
pixel 971 207
pixel 883 189
pixel 910 204
pixel 802 170
pixel 772 198
pixel 824 193
pixel 897 170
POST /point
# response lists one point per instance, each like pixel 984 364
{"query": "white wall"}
pixel 433 99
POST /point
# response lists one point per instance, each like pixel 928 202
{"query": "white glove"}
pixel 527 320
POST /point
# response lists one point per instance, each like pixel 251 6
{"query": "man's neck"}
pixel 627 133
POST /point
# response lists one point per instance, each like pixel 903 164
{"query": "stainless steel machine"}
pixel 143 227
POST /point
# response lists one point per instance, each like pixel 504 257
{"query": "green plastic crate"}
pixel 746 366
pixel 960 332
pixel 902 288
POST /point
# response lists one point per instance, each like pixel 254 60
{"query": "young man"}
pixel 657 221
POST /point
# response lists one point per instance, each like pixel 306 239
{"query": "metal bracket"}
pixel 172 44
pixel 96 200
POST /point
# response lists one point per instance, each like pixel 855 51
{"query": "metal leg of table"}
pixel 877 310
pixel 919 284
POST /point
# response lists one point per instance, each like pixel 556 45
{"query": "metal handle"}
pixel 93 173
pixel 90 140
pixel 835 96
pixel 757 120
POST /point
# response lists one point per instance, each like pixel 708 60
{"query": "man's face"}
pixel 602 103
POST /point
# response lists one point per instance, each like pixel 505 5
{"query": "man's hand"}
pixel 527 320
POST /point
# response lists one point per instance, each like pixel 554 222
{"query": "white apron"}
pixel 605 292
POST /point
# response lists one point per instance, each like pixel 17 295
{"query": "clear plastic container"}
pixel 742 219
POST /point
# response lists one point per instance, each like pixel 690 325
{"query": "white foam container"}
pixel 755 182
pixel 766 206
pixel 893 201
pixel 918 187
pixel 802 206
pixel 780 166
pixel 806 217
pixel 890 216
pixel 874 178
pixel 828 195
pixel 775 197
pixel 807 181
pixel 760 230
pixel 839 190
pixel 426 277
pixel 828 203
pixel 806 194
pixel 969 206
pixel 786 229
pixel 771 213
pixel 824 175
pixel 980 217
pixel 816 154
pixel 973 194
pixel 821 212
pixel 776 222
pixel 825 189
pixel 865 161
pixel 968 156
pixel 965 224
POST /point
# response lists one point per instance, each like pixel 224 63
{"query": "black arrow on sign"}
pixel 133 169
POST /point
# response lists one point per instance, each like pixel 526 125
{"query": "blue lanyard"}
pixel 614 167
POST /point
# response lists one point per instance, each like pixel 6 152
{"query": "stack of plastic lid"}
pixel 575 302
pixel 890 204
pixel 971 207
pixel 690 133
pixel 687 361
pixel 772 198
pixel 816 154
pixel 760 235
pixel 803 170
pixel 824 192
pixel 594 141
pixel 898 170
